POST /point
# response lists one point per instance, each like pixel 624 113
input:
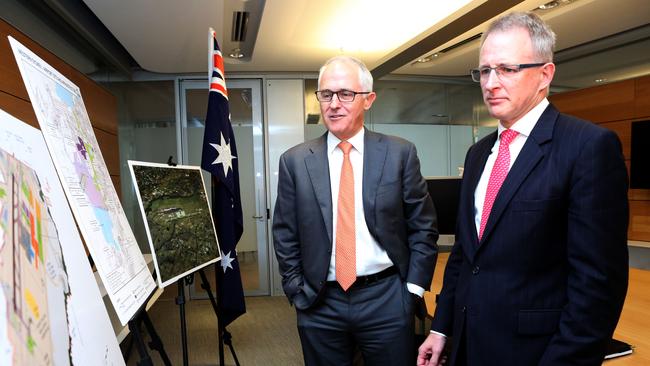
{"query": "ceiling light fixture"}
pixel 549 5
pixel 601 80
pixel 236 53
pixel 426 59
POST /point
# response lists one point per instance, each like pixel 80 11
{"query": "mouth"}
pixel 495 100
pixel 335 117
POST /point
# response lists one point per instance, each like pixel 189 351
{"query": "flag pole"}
pixel 218 158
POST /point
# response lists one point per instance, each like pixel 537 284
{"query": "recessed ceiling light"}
pixel 236 53
pixel 602 80
pixel 549 5
pixel 426 59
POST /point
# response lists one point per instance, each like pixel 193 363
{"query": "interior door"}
pixel 245 103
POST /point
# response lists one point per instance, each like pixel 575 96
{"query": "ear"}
pixel 369 99
pixel 546 76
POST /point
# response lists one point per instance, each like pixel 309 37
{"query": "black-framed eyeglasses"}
pixel 343 95
pixel 503 71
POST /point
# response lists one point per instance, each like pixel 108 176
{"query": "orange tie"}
pixel 346 263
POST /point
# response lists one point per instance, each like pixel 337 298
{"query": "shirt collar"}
pixel 526 124
pixel 356 141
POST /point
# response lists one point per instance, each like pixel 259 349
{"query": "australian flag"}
pixel 220 159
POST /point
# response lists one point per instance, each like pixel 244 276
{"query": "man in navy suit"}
pixel 538 273
pixel 369 304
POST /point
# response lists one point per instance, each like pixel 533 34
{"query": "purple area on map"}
pixel 81 147
pixel 87 183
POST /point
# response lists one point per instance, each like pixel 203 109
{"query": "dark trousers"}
pixel 378 319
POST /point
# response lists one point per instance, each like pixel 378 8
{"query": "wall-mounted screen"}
pixel 445 193
pixel 639 155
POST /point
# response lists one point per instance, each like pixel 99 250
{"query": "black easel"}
pixel 180 301
pixel 155 344
pixel 224 336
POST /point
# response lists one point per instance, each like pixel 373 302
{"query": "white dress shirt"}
pixel 371 258
pixel 524 126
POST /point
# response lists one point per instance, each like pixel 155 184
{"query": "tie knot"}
pixel 345 147
pixel 507 136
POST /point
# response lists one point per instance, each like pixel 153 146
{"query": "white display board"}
pixel 87 183
pixel 51 310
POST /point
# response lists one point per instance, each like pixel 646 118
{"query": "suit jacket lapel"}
pixel 472 176
pixel 317 164
pixel 374 156
pixel 528 158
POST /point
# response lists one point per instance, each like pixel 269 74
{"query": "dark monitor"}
pixel 640 155
pixel 445 193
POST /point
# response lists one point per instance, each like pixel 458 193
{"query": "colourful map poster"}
pixel 30 257
pixel 87 183
pixel 51 310
pixel 177 217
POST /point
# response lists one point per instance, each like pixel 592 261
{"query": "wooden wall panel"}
pixel 99 102
pixel 102 115
pixel 603 103
pixel 624 131
pixel 117 184
pixel 642 101
pixel 616 106
pixel 639 221
pixel 18 108
pixel 107 142
pixel 639 194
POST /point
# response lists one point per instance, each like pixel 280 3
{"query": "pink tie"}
pixel 498 175
pixel 346 263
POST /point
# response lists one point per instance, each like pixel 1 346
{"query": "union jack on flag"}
pixel 220 159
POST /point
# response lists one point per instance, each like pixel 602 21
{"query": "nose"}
pixel 492 80
pixel 335 102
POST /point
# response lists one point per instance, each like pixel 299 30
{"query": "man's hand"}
pixel 430 352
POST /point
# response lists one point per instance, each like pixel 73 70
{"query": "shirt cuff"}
pixel 415 289
pixel 438 333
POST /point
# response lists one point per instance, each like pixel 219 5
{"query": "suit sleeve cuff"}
pixel 415 289
pixel 438 333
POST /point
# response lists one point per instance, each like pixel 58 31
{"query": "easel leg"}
pixel 224 335
pixel 180 300
pixel 145 359
pixel 156 342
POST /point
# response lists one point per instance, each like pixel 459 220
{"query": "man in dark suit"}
pixel 354 230
pixel 538 273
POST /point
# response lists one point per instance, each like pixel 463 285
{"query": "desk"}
pixel 633 327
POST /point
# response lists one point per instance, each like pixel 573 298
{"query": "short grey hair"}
pixel 541 35
pixel 365 77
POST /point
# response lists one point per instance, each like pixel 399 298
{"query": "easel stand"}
pixel 180 301
pixel 224 336
pixel 155 344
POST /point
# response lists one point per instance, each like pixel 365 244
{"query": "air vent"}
pixel 463 42
pixel 239 25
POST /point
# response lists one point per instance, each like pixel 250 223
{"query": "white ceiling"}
pixel 170 36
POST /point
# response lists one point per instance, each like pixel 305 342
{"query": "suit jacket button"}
pixel 475 270
pixel 464 309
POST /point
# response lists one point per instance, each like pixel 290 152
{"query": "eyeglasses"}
pixel 503 71
pixel 343 95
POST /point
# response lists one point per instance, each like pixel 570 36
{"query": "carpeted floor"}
pixel 265 335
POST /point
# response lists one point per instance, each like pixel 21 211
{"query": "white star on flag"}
pixel 224 156
pixel 226 261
